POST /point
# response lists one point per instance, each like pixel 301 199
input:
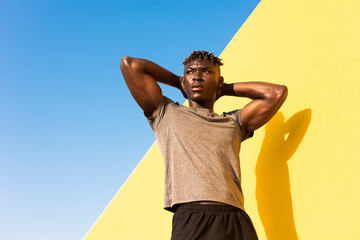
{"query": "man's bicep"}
pixel 268 98
pixel 256 114
pixel 144 89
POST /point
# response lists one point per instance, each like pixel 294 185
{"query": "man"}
pixel 201 148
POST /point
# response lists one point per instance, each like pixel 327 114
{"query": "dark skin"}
pixel 202 85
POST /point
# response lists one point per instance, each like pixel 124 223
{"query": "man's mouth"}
pixel 196 87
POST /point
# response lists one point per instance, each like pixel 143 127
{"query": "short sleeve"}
pixel 156 118
pixel 235 115
pixel 246 135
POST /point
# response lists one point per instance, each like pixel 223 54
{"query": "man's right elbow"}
pixel 130 64
pixel 125 62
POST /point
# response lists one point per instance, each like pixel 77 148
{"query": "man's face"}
pixel 201 81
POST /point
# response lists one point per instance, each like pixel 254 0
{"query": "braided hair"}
pixel 202 55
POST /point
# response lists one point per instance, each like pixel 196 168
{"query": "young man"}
pixel 201 148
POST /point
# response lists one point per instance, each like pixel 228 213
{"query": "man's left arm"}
pixel 267 99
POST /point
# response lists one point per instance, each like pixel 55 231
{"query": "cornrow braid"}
pixel 201 55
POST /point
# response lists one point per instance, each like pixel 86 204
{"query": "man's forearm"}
pixel 155 71
pixel 253 90
pixel 267 99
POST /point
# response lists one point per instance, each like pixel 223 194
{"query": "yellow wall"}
pixel 300 172
pixel 136 212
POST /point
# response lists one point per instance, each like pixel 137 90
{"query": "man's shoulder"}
pixel 169 102
pixel 233 112
pixel 164 108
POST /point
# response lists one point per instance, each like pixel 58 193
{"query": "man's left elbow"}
pixel 279 95
pixel 282 92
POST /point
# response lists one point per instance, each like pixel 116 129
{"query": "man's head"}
pixel 202 80
pixel 202 55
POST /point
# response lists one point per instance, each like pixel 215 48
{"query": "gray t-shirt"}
pixel 201 153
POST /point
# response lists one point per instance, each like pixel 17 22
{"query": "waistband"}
pixel 196 207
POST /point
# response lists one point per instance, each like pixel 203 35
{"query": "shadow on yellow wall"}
pixel 273 193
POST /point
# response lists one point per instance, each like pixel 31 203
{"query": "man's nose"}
pixel 197 76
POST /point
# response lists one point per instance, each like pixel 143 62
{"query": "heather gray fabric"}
pixel 201 153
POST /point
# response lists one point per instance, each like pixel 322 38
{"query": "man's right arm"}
pixel 141 77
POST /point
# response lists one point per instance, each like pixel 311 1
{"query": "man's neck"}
pixel 206 105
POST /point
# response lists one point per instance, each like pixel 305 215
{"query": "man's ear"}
pixel 219 89
pixel 182 83
pixel 221 81
pixel 182 87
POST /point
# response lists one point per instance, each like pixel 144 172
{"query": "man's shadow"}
pixel 273 193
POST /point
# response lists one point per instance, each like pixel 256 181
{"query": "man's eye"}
pixel 188 72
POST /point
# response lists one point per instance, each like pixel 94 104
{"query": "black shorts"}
pixel 211 222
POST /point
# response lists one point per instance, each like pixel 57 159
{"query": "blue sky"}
pixel 70 132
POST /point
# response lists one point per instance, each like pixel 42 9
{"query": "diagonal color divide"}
pixel 300 172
